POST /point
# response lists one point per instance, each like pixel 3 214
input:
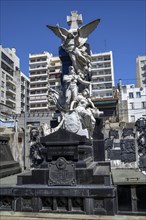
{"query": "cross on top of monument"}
pixel 74 20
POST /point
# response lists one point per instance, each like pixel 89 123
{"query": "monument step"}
pixel 9 171
pixel 37 216
pixel 6 164
pixel 101 170
pixel 92 165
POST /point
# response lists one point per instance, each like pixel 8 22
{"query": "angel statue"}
pixel 74 44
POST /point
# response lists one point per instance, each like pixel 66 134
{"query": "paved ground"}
pixel 46 216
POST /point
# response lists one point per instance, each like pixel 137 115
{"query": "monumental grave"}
pixel 70 174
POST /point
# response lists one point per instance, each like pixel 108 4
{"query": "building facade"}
pixel 102 75
pixel 132 103
pixel 11 78
pixel 39 80
pixel 25 86
pixel 45 72
pixel 141 71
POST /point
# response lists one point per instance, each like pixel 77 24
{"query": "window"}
pixel 124 90
pixel 131 95
pixel 3 75
pixel 7 59
pixel 131 105
pixel 138 94
pixel 2 94
pixel 143 68
pixel 144 105
pixel 2 84
pixel 132 118
pixel 143 61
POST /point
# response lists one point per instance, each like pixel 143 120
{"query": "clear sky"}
pixel 122 29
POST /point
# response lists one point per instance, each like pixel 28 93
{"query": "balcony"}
pixel 38 62
pixel 11 105
pixel 38 68
pixel 39 94
pixel 10 99
pixel 102 89
pixel 10 81
pixel 56 71
pixel 38 75
pixel 38 101
pixel 100 74
pixel 101 67
pixel 39 81
pixel 100 82
pixel 22 83
pixel 11 90
pixel 39 88
pixel 56 79
pixel 38 108
pixel 10 66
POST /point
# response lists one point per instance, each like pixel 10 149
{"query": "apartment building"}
pixel 10 82
pixel 141 71
pixel 39 81
pixel 25 86
pixel 45 71
pixel 132 102
pixel 102 74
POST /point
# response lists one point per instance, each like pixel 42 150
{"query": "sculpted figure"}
pixel 74 44
pixel 58 98
pixel 71 80
pixel 86 110
pixel 71 83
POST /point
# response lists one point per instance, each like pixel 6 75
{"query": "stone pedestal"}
pixel 67 181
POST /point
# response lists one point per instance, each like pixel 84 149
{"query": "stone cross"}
pixel 74 20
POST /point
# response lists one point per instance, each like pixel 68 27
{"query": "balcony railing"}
pixel 10 89
pixel 10 99
pixel 10 81
pixel 38 108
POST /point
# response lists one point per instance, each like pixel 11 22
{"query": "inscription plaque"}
pixel 61 172
pixel 69 152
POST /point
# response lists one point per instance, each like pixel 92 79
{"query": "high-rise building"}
pixel 45 72
pixel 141 71
pixel 102 74
pixel 39 81
pixel 25 84
pixel 10 82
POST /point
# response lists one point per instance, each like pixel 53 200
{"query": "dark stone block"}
pixel 7 164
pixel 98 142
pixel 113 133
pixel 114 154
pixel 128 153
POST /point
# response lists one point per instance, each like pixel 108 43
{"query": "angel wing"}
pixel 85 30
pixel 56 30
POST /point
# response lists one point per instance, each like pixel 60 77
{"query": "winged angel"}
pixel 74 44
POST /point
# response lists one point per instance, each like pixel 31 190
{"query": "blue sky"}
pixel 122 29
